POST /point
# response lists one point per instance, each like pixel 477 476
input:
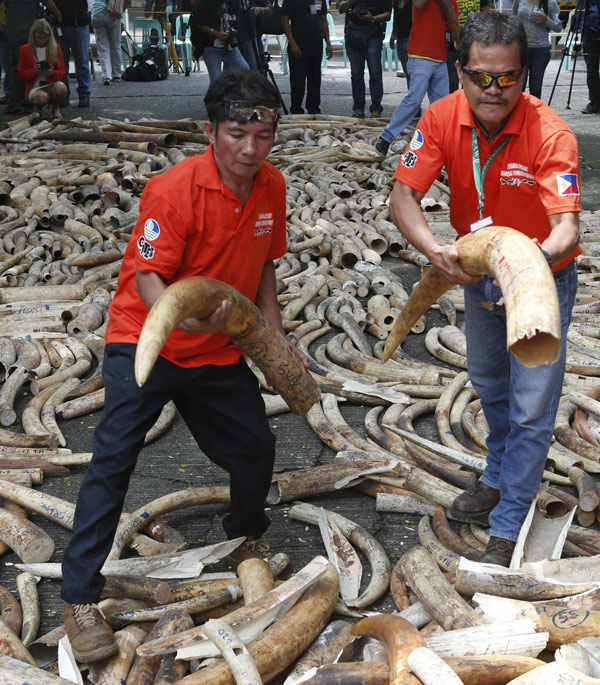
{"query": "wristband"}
pixel 548 257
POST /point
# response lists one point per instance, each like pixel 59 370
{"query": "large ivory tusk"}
pixel 515 261
pixel 247 327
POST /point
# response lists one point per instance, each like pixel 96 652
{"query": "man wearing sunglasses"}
pixel 221 215
pixel 511 161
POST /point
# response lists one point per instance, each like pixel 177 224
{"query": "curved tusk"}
pixel 515 261
pixel 247 327
pixel 399 637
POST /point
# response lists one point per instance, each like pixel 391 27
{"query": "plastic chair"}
pixel 387 54
pixel 335 40
pixel 182 41
pixel 266 38
pixel 141 32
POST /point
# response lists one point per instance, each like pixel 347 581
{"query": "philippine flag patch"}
pixel 568 184
pixel 151 230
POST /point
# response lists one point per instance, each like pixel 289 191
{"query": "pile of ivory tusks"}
pixel 68 201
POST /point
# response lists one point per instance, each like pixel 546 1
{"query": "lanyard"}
pixel 478 174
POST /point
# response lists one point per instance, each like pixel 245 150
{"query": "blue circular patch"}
pixel 151 230
pixel 417 140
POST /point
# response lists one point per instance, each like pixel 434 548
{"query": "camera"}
pixel 233 39
pixel 44 66
pixel 360 10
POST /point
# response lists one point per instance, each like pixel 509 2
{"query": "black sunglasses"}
pixel 484 79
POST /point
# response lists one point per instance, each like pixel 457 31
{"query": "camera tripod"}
pixel 571 44
pixel 262 59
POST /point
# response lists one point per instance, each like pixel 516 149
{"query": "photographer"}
pixel 73 36
pixel 218 22
pixel 364 32
pixel 41 68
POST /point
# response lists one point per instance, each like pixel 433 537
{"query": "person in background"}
pixel 20 15
pixel 4 55
pixel 401 32
pixel 427 49
pixel 465 9
pixel 73 36
pixel 538 17
pixel 42 69
pixel 591 52
pixel 305 26
pixel 218 24
pixel 364 30
pixel 106 20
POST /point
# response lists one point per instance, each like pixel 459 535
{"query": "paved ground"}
pixel 173 463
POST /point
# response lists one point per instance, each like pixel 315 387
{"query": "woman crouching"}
pixel 42 68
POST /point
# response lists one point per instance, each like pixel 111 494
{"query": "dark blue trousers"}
pixel 222 407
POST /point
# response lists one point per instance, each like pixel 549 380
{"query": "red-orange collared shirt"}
pixel 191 224
pixel 535 175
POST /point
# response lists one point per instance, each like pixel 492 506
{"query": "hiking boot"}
pixel 84 101
pixel 251 548
pixel 475 504
pixel 590 109
pixel 498 551
pixel 382 146
pixel 90 635
pixel 376 115
pixel 358 114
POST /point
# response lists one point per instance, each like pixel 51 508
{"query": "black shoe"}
pixel 106 81
pixel 475 504
pixel 84 102
pixel 590 109
pixel 498 551
pixel 382 146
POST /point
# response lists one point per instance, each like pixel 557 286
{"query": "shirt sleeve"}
pixel 557 173
pixel 160 235
pixel 553 23
pixel 423 158
pixel 279 242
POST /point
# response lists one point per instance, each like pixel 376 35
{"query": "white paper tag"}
pixel 486 221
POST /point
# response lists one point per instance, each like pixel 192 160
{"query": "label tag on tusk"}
pixel 486 221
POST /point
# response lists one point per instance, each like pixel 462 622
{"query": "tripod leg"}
pixel 283 107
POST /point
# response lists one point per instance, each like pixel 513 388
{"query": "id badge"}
pixel 486 221
pixel 315 8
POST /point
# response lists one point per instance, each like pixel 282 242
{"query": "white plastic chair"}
pixel 387 54
pixel 335 40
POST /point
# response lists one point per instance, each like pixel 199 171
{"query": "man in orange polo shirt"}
pixel 221 215
pixel 433 21
pixel 511 161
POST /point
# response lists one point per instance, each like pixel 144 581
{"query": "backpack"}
pixel 151 65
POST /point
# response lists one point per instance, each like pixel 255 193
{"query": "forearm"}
pixel 52 7
pixel 149 287
pixel 266 297
pixel 406 213
pixel 287 29
pixel 325 26
pixel 451 18
pixel 564 236
pixel 345 5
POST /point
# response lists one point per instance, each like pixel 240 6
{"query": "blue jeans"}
pixel 537 61
pixel 76 39
pixel 370 52
pixel 426 77
pixel 519 403
pixel 217 58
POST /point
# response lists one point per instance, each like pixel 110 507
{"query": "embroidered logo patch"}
pixel 151 230
pixel 568 184
pixel 146 250
pixel 417 140
pixel 264 224
pixel 409 159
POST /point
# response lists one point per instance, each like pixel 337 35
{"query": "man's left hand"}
pixel 328 51
pixel 301 356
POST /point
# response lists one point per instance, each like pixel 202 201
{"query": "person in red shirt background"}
pixel 529 180
pixel 426 64
pixel 41 67
pixel 220 215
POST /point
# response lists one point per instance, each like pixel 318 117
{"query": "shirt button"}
pixel 237 210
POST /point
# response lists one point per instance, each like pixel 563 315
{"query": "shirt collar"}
pixel 513 126
pixel 207 174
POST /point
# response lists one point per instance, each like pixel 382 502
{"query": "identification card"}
pixel 486 221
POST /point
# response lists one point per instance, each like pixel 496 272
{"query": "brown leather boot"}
pixel 475 504
pixel 89 634
pixel 498 551
pixel 251 548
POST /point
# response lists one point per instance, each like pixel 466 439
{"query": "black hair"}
pixel 238 84
pixel 491 28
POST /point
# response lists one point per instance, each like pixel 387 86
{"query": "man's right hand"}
pixel 393 40
pixel 445 261
pixel 295 48
pixel 221 35
pixel 212 324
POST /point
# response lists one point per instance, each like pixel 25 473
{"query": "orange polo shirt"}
pixel 191 224
pixel 535 175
